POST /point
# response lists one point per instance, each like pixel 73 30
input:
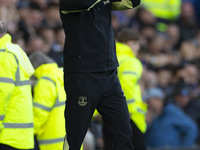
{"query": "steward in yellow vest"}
pixel 163 9
pixel 48 103
pixel 129 73
pixel 16 116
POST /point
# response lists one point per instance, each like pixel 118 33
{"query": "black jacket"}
pixel 89 44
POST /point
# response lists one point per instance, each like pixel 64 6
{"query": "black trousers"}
pixel 6 147
pixel 87 91
pixel 138 141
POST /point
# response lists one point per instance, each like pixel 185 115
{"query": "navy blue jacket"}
pixel 173 128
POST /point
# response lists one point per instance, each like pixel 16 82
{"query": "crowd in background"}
pixel 170 47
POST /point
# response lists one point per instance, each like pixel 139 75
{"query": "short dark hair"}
pixel 127 34
pixel 3 28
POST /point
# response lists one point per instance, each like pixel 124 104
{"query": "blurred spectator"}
pixel 129 73
pixel 147 23
pixel 56 51
pixel 159 52
pixel 190 105
pixel 196 4
pixel 191 76
pixel 164 76
pixel 173 33
pixel 145 17
pixel 36 15
pixel 52 18
pixel 48 34
pixel 24 23
pixel 37 44
pixel 9 14
pixel 182 96
pixel 149 78
pixel 187 22
pixel 157 44
pixel 41 3
pixel 168 126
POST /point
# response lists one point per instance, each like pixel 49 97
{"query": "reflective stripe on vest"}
pixel 37 105
pixel 2 50
pixel 129 72
pixel 57 103
pixel 2 117
pixel 49 79
pixel 132 73
pixel 18 125
pixel 17 81
pixel 7 80
pixel 51 141
pixel 129 101
pixel 141 111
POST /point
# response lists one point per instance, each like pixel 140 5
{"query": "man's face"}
pixel 182 100
pixel 134 45
pixel 155 105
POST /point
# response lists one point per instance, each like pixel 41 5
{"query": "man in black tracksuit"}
pixel 90 76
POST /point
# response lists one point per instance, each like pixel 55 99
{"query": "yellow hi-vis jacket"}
pixel 48 107
pixel 129 72
pixel 16 114
pixel 164 9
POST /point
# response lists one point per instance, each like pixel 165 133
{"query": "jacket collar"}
pixel 52 69
pixel 123 49
pixel 6 39
pixel 45 68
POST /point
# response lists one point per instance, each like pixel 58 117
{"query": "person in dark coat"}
pixel 90 73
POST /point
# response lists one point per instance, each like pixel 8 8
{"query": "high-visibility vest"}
pixel 164 9
pixel 16 115
pixel 129 73
pixel 48 107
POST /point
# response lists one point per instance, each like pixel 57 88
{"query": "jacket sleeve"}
pixel 8 67
pixel 72 6
pixel 129 76
pixel 43 101
pixel 125 4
